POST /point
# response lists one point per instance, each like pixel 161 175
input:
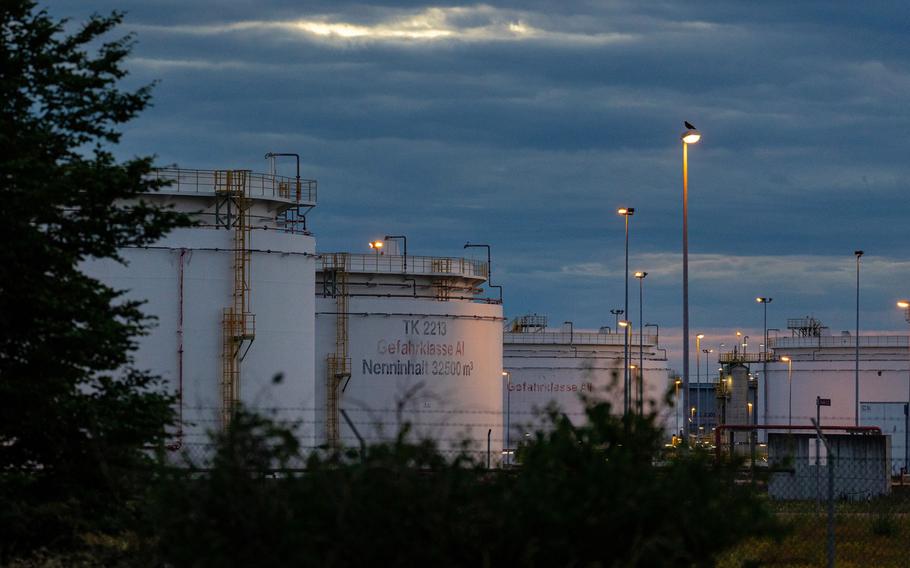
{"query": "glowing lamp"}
pixel 691 136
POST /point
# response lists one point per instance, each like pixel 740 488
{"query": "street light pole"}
pixel 627 329
pixel 641 341
pixel 905 305
pixel 698 339
pixel 690 136
pixel 858 254
pixel 616 313
pixel 764 356
pixel 678 382
pixel 627 401
pixel 789 363
pixel 508 376
pixel 376 246
pixel 707 352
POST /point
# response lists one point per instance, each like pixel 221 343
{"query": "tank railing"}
pixel 267 186
pixel 748 357
pixel 395 264
pixel 575 338
pixel 839 341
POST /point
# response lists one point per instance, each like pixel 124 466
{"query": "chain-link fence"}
pixel 837 499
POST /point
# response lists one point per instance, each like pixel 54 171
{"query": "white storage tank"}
pixel 812 364
pixel 408 340
pixel 545 366
pixel 233 298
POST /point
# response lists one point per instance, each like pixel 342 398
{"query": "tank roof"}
pixel 371 263
pixel 207 183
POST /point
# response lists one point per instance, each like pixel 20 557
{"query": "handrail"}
pixel 575 337
pixel 839 341
pixel 395 264
pixel 258 185
pixel 753 357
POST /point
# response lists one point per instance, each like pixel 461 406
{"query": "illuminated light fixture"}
pixel 785 359
pixel 627 211
pixel 763 300
pixel 700 336
pixel 903 304
pixel 691 135
pixel 640 274
pixel 376 244
pixel 624 323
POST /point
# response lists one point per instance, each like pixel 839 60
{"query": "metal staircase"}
pixel 338 363
pixel 238 323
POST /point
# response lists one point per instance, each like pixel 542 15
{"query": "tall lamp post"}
pixel 764 356
pixel 677 382
pixel 616 314
pixel 626 325
pixel 707 353
pixel 789 363
pixel 376 246
pixel 690 136
pixel 698 339
pixel 508 376
pixel 641 341
pixel 905 305
pixel 626 212
pixel 859 255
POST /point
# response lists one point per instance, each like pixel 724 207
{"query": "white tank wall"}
pixel 884 378
pixel 282 301
pixel 456 392
pixel 561 374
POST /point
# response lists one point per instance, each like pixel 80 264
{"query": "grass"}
pixel 875 533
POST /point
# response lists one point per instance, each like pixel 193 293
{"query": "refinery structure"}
pixel 808 374
pixel 354 347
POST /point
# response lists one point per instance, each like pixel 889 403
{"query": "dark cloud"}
pixel 525 124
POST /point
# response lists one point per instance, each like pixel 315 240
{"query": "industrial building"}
pixel 544 366
pixel 812 364
pixel 813 373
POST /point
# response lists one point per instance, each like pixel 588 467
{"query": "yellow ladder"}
pixel 238 323
pixel 339 362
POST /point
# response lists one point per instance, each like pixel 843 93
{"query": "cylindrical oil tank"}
pixel 232 299
pixel 738 405
pixel 408 342
pixel 561 368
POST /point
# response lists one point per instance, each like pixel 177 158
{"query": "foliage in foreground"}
pixel 585 495
pixel 74 416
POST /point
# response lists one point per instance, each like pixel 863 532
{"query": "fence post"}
pixel 830 460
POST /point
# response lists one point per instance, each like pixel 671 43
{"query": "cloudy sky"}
pixel 526 124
